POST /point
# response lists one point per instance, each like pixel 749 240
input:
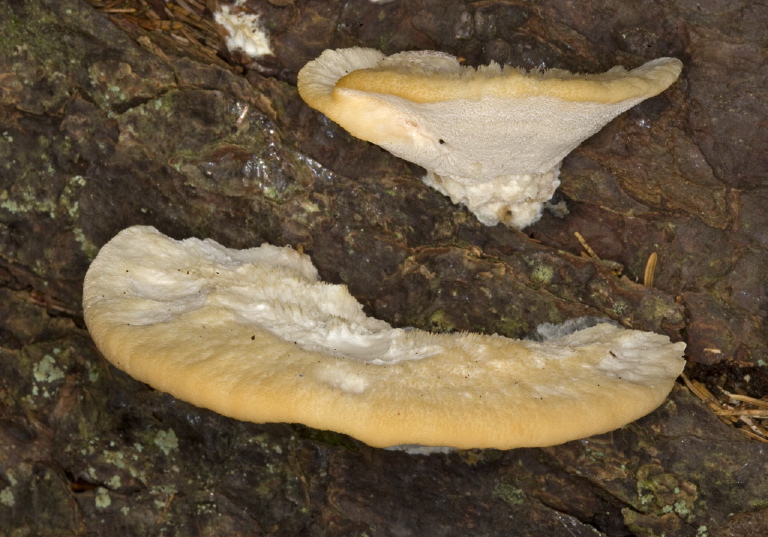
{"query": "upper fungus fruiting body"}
pixel 491 138
pixel 254 334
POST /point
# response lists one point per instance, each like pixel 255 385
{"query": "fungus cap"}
pixel 491 138
pixel 253 334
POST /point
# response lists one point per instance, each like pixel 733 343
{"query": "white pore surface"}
pixel 499 157
pixel 475 141
pixel 245 31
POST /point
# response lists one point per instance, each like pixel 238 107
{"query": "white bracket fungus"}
pixel 253 334
pixel 491 138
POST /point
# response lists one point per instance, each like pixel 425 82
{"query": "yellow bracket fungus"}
pixel 491 138
pixel 255 335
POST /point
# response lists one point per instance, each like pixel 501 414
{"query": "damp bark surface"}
pixel 109 119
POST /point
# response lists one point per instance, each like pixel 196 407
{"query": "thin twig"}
pixel 584 245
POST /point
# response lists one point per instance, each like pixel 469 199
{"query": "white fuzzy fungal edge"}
pixel 274 288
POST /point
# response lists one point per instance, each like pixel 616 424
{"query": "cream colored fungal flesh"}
pixel 255 335
pixel 491 138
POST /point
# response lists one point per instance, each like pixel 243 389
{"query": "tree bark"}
pixel 107 121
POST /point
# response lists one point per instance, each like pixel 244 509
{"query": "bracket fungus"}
pixel 253 334
pixel 491 138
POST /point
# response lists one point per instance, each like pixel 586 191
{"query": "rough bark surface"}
pixel 106 124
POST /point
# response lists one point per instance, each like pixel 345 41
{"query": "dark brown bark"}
pixel 110 122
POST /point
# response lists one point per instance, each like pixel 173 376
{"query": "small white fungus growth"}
pixel 245 31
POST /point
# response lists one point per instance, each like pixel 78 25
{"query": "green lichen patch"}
pixel 166 441
pixel 102 499
pixel 663 492
pixel 47 371
pixel 542 274
pixel 6 497
pixel 510 494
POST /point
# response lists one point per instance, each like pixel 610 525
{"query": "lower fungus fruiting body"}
pixel 255 335
pixel 491 138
